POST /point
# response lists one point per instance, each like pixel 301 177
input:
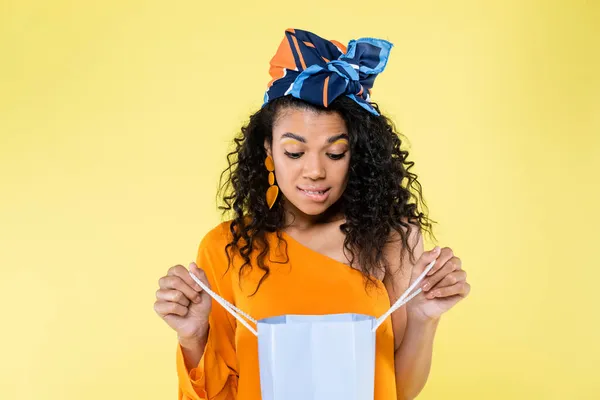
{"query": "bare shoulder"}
pixel 400 265
pixel 400 255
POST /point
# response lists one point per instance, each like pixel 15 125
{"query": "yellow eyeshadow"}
pixel 294 141
pixel 340 141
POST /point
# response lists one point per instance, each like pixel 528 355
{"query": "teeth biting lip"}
pixel 314 191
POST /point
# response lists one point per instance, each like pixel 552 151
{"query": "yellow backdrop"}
pixel 115 118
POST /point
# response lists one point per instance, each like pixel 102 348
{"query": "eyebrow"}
pixel 303 140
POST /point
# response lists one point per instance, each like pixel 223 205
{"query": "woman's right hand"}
pixel 182 303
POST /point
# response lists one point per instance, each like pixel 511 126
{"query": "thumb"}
pixel 425 260
pixel 198 275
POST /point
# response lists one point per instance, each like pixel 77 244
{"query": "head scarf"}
pixel 317 70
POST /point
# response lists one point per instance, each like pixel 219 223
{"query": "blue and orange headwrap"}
pixel 317 70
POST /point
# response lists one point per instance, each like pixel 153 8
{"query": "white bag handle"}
pixel 233 310
pixel 405 298
pixel 237 313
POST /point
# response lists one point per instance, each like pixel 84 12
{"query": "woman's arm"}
pixel 192 350
pixel 443 287
pixel 413 335
pixel 206 365
pixel 413 358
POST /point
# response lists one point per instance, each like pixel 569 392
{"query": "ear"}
pixel 268 148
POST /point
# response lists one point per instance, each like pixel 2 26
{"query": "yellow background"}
pixel 115 118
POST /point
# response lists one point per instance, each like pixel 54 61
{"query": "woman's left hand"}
pixel 443 287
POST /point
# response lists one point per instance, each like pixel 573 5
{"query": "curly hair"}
pixel 381 195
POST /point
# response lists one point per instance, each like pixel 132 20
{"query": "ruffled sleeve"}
pixel 215 376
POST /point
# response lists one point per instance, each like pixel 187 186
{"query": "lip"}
pixel 315 196
pixel 314 188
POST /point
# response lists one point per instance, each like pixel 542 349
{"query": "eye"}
pixel 292 155
pixel 336 156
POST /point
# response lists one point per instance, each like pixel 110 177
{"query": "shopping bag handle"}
pixel 405 298
pixel 233 310
pixel 238 314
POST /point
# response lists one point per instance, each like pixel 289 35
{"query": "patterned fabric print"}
pixel 318 70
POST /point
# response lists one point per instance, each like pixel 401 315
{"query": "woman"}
pixel 325 218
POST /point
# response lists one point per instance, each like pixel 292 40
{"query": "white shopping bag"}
pixel 316 357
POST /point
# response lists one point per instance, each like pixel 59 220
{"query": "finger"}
pixel 198 273
pixel 461 289
pixel 451 279
pixel 431 281
pixel 184 274
pixel 172 295
pixel 170 282
pixel 164 308
pixel 426 258
pixel 445 255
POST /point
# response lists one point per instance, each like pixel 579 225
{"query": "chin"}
pixel 314 210
pixel 311 208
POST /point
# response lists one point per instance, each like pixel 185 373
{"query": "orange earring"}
pixel 273 190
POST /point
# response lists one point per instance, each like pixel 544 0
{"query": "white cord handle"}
pixel 237 313
pixel 405 298
pixel 233 310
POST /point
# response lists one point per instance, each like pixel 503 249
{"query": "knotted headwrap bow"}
pixel 318 70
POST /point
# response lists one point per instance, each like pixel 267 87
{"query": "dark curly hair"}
pixel 381 196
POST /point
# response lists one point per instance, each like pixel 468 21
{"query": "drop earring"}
pixel 273 190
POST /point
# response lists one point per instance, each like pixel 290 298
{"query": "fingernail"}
pixel 431 295
pixel 197 300
pixel 425 286
pixel 436 250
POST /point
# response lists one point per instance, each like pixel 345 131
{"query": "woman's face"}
pixel 311 154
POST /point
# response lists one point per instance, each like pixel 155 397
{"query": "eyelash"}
pixel 334 157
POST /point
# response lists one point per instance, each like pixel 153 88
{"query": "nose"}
pixel 313 167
